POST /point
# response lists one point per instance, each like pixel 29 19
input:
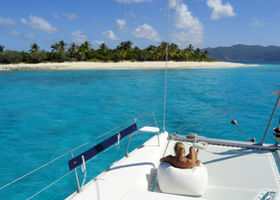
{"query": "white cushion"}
pixel 182 181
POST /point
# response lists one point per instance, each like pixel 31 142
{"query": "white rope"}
pixel 49 185
pixel 166 60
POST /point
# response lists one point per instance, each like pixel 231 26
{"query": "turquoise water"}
pixel 44 114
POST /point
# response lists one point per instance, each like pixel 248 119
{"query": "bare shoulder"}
pixel 168 158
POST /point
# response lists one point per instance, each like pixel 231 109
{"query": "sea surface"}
pixel 44 114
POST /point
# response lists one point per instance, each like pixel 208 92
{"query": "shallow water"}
pixel 44 114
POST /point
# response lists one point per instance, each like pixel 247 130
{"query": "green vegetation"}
pixel 125 51
pixel 246 53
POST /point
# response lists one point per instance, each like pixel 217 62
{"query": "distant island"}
pixel 245 53
pixel 125 51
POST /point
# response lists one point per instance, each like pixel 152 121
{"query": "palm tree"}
pixel 58 51
pixel 189 52
pixel 190 49
pixel 85 46
pixel 84 50
pixel 103 47
pixel 62 46
pixel 123 54
pixel 197 54
pixel 186 54
pixel 151 51
pixel 34 48
pixel 73 50
pixel 59 47
pixel 55 47
pixel 173 51
pixel 162 50
pixel 1 48
pixel 125 45
pixel 205 54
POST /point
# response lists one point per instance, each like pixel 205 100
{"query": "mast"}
pixel 166 60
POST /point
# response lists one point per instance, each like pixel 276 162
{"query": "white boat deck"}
pixel 237 173
pixel 233 173
pixel 129 174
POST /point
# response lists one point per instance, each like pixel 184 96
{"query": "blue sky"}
pixel 203 23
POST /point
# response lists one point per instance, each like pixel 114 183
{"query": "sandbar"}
pixel 126 65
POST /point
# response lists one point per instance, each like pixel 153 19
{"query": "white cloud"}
pixel 256 22
pixel 190 28
pixel 7 21
pixel 70 16
pixel 121 23
pixel 15 34
pixel 146 31
pixel 78 37
pixel 220 10
pixel 173 3
pixel 97 42
pixel 38 23
pixel 29 36
pixel 110 35
pixel 184 38
pixel 133 1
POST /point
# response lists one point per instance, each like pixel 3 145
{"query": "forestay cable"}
pixel 166 60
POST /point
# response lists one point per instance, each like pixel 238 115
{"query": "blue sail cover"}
pixel 75 162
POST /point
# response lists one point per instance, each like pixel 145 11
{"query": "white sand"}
pixel 119 65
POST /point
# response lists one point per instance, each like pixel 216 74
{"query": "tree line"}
pixel 125 51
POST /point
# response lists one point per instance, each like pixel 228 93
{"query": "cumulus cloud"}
pixel 38 23
pixel 7 21
pixel 121 23
pixel 190 28
pixel 133 1
pixel 110 35
pixel 147 32
pixel 70 16
pixel 220 10
pixel 78 37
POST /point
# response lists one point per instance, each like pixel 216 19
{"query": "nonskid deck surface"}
pixel 236 173
pixel 134 173
pixel 233 173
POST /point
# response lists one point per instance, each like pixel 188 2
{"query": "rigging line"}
pixel 42 166
pixel 49 185
pixel 224 112
pixel 106 133
pixel 57 158
pixel 166 60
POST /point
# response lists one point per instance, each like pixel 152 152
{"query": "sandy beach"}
pixel 119 65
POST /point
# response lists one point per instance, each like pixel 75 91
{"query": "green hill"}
pixel 245 53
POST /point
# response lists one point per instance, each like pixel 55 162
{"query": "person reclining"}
pixel 180 160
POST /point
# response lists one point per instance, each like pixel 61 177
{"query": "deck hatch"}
pixel 77 161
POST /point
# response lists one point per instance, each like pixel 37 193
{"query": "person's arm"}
pixel 165 159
